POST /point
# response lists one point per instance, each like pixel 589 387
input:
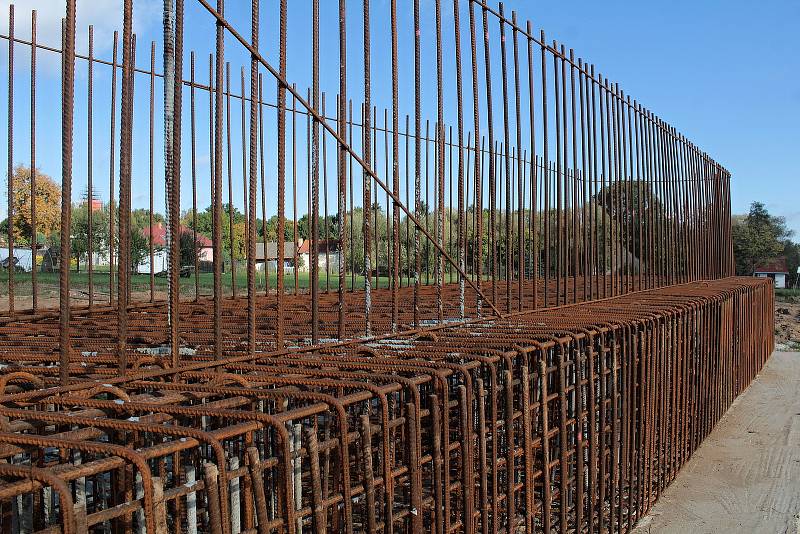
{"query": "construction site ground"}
pixel 745 477
pixel 787 323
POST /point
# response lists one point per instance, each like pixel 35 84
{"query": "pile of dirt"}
pixel 787 324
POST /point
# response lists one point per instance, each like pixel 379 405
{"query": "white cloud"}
pixel 104 15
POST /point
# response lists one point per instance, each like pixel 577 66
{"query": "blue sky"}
pixel 725 73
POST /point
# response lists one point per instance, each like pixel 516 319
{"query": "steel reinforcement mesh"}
pixel 513 314
pixel 566 419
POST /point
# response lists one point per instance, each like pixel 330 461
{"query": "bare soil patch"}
pixel 745 476
pixel 787 325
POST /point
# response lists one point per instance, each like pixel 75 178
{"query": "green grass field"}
pixel 787 294
pixel 47 283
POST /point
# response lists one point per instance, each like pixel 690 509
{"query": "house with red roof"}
pixel 775 268
pixel 328 255
pixel 158 232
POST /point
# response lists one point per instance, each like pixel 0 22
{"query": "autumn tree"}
pixel 47 203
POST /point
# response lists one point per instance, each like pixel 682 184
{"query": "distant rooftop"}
pixel 775 265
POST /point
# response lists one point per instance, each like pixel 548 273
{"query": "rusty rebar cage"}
pixel 571 418
pixel 509 312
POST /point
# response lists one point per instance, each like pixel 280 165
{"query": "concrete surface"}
pixel 745 476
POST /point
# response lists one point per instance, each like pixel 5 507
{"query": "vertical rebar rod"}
pixel 586 236
pixel 351 226
pixel 111 173
pixel 615 188
pixel 564 237
pixel 546 173
pixel 492 151
pixel 559 173
pixel 440 135
pixel 460 149
pixel 519 170
pixel 281 230
pixel 151 162
pixel 125 161
pixel 341 214
pixel 192 118
pixel 639 187
pixel 244 161
pixel 228 160
pixel 408 198
pixel 175 192
pixel 533 169
pixel 314 255
pixel 325 202
pixel 366 184
pixel 10 176
pixel 253 185
pixel 89 173
pixel 34 233
pixel 478 204
pixel 417 156
pixel 625 157
pixel 168 23
pixel 295 246
pixel 574 182
pixel 603 192
pixel 506 160
pixel 217 178
pixel 67 110
pixel 262 178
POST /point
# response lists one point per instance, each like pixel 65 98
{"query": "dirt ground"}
pixel 745 477
pixel 787 325
pixel 49 299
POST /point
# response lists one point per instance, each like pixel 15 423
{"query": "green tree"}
pixel 140 247
pixel 791 251
pixel 633 210
pixel 757 237
pixel 140 218
pixel 205 226
pixel 272 229
pixel 79 239
pixel 189 248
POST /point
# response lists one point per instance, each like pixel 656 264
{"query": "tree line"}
pixel 757 236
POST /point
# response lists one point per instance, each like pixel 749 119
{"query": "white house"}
pixel 270 257
pixel 23 255
pixel 776 269
pixel 328 255
pixel 159 233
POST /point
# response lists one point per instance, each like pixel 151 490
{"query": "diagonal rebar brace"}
pixel 319 118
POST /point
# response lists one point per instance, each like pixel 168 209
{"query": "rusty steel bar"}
pixel 175 190
pixel 251 193
pixel 10 169
pixel 89 169
pixel 125 171
pixel 67 99
pixel 216 197
pixel 151 245
pixel 34 236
